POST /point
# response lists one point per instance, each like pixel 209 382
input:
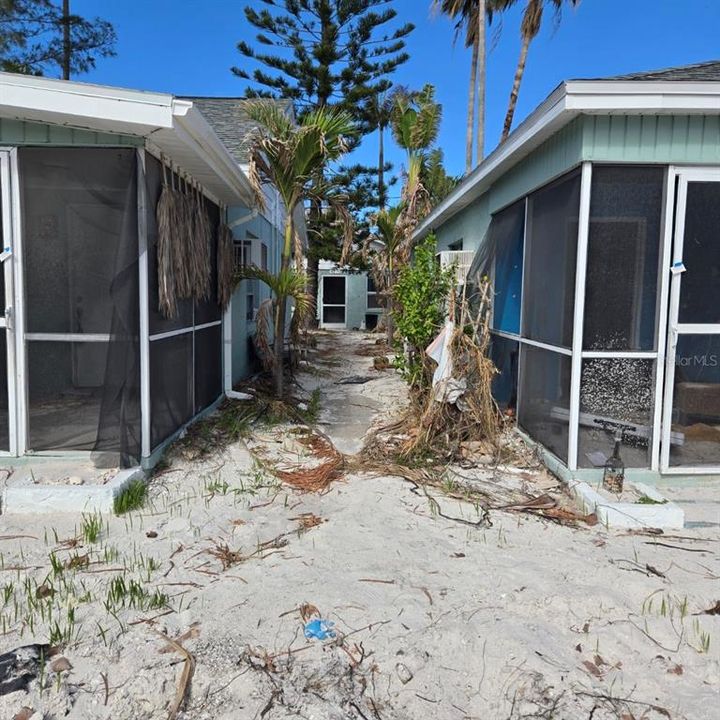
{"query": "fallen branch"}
pixel 185 678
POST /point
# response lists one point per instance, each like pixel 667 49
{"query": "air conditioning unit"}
pixel 461 260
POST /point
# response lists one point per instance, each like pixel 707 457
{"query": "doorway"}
pixel 334 301
pixel 691 406
pixel 8 441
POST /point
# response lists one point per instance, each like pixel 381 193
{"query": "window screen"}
pixel 81 274
pixel 333 290
pixel 171 385
pixel 506 235
pixel 550 257
pixel 504 354
pixel 623 258
pixel 158 322
pixel 544 408
pixel 696 402
pixel 700 286
pixel 208 366
pixel 616 395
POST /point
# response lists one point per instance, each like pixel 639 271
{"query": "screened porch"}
pixel 606 316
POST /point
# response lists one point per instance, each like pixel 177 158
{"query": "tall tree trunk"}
pixel 67 47
pixel 381 168
pixel 519 72
pixel 279 346
pixel 281 311
pixel 482 78
pixel 313 263
pixel 471 110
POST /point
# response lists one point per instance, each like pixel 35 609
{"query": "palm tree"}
pixel 291 158
pixel 379 111
pixel 384 262
pixel 472 15
pixel 529 29
pixel 415 125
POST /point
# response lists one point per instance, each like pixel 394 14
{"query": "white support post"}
pixel 662 314
pixel 144 305
pixel 227 342
pixel 21 390
pixel 8 301
pixel 577 341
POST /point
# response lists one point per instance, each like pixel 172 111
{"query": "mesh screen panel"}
pixel 550 257
pixel 544 407
pixel 4 410
pixel 333 315
pixel 506 234
pixel 171 385
pixel 616 394
pixel 696 401
pixel 208 366
pixel 65 387
pixel 158 322
pixel 209 311
pixel 623 258
pixel 504 354
pixel 81 274
pixel 334 290
pixel 700 286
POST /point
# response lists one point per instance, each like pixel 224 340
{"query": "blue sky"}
pixel 187 47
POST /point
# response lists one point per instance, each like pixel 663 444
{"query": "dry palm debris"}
pixel 307 521
pixel 319 477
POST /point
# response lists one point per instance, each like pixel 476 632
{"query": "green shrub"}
pixel 420 300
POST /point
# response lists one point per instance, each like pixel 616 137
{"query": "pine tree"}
pixel 319 53
pixel 39 37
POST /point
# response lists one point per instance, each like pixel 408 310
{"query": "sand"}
pixel 435 618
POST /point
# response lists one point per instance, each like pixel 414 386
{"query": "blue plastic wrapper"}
pixel 319 629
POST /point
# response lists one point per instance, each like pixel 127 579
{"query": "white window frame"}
pixel 674 238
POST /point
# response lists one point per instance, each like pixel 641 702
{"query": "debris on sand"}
pixel 19 667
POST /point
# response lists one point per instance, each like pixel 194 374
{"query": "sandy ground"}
pixel 434 618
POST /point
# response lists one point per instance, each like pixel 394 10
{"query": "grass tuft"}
pixel 132 497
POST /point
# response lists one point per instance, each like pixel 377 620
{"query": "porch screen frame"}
pixel 680 176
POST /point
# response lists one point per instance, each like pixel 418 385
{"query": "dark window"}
pixel 700 285
pixel 506 235
pixel 550 257
pixel 333 290
pixel 81 274
pixel 544 406
pixel 623 258
pixel 264 256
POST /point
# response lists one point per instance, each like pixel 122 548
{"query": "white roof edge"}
pixel 218 156
pixel 157 117
pixel 566 102
pixel 546 114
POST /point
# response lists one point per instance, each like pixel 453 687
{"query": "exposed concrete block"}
pixel 68 498
pixel 629 515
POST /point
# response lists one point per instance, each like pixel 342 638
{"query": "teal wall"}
pixel 660 139
pixel 356 294
pixel 241 327
pixel 555 156
pixel 18 132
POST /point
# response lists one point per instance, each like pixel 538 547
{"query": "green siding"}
pixel 663 139
pixel 554 157
pixel 19 132
pixel 660 139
